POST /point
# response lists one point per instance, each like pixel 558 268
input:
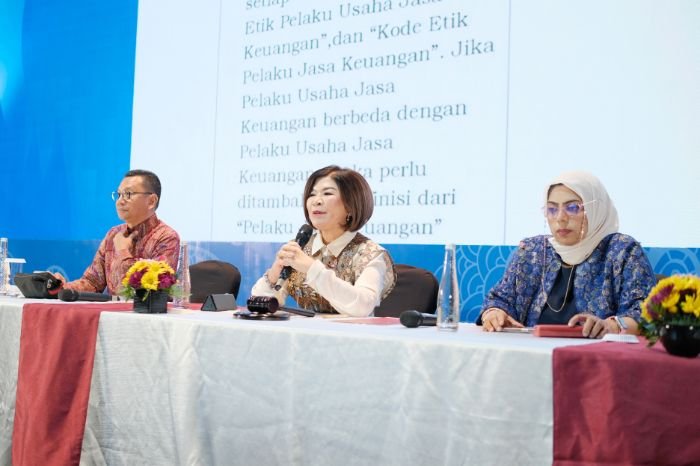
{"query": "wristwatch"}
pixel 620 323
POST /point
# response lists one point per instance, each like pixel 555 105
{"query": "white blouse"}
pixel 358 300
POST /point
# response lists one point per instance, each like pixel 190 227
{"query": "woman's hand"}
pixel 292 255
pixel 594 327
pixel 273 273
pixel 494 319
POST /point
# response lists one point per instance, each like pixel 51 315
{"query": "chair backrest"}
pixel 213 277
pixel 415 288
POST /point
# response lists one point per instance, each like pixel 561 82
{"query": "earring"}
pixel 583 223
pixel 348 219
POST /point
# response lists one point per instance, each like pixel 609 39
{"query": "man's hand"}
pixel 123 242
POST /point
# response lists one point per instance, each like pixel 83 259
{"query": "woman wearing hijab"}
pixel 340 270
pixel 585 273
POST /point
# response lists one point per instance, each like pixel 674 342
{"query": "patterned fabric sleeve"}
pixel 503 294
pixel 366 255
pixel 635 279
pixel 166 247
pixel 93 279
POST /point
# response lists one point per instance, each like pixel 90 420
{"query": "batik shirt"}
pixel 614 280
pixel 348 266
pixel 154 240
pixel 351 275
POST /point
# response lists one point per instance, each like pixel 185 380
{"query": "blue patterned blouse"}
pixel 614 280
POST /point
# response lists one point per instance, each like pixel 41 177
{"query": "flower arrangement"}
pixel 673 301
pixel 149 275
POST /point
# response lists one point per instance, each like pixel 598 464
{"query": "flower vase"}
pixel 155 303
pixel 681 340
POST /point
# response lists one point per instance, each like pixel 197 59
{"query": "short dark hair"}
pixel 150 180
pixel 354 191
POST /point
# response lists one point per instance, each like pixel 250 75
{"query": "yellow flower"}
pixel 671 301
pixel 672 295
pixel 645 313
pixel 138 265
pixel 150 280
pixel 675 300
pixel 691 305
pixel 691 295
pixel 149 273
pixel 163 267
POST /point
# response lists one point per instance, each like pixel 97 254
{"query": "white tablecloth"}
pixel 204 388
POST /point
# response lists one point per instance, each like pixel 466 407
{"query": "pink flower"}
pixel 165 280
pixel 659 297
pixel 135 279
pixel 652 312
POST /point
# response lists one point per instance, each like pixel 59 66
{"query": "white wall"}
pixel 610 87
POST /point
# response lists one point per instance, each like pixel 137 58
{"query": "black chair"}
pixel 213 277
pixel 415 288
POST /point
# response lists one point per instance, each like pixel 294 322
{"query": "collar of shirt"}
pixel 144 227
pixel 336 246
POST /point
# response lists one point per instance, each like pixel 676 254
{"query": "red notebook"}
pixel 555 330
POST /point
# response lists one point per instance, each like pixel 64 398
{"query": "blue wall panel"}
pixel 479 267
pixel 65 115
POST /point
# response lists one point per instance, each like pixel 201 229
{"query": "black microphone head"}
pixel 68 295
pixel 263 304
pixel 304 235
pixel 411 319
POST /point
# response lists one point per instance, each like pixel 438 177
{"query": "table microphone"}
pixel 72 295
pixel 413 319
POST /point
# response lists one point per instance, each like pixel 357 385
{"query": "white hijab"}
pixel 599 210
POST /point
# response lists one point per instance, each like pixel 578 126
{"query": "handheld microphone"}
pixel 72 295
pixel 303 237
pixel 269 305
pixel 413 319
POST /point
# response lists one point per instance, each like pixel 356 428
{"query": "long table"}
pixel 204 388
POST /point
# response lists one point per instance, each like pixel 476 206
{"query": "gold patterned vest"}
pixel 349 264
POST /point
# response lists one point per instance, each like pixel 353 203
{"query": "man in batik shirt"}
pixel 142 236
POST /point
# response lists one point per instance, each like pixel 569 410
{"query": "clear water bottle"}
pixel 448 294
pixel 4 267
pixel 182 299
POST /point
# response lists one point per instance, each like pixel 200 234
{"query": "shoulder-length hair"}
pixel 354 192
